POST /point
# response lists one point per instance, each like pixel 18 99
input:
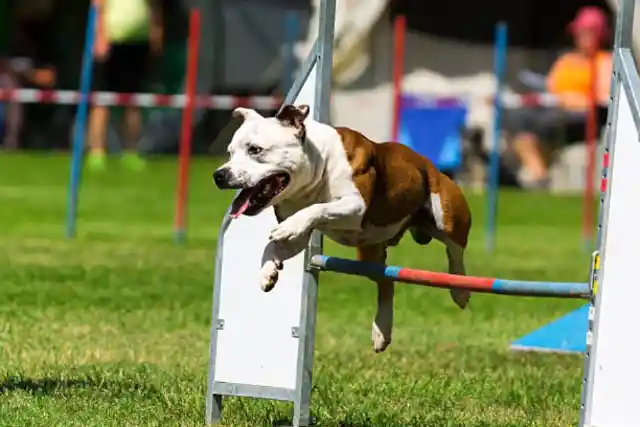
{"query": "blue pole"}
pixel 291 36
pixel 499 64
pixel 80 124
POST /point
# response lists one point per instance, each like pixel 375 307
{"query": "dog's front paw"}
pixel 290 229
pixel 269 275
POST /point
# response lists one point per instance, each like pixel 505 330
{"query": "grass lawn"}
pixel 112 329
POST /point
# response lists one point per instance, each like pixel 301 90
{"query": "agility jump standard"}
pixel 273 358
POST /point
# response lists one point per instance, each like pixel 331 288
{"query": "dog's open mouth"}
pixel 251 201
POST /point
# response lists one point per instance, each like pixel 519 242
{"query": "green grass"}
pixel 111 329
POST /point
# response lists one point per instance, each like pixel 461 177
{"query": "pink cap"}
pixel 592 18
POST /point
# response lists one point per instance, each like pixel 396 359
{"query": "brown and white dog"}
pixel 357 192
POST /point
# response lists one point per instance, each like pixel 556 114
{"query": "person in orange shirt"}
pixel 570 80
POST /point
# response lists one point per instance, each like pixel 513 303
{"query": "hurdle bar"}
pixel 452 281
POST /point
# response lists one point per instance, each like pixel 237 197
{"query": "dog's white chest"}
pixel 369 235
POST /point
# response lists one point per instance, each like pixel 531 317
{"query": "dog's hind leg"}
pixel 455 255
pixel 453 231
pixel 383 322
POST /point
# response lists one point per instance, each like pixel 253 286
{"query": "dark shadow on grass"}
pixel 48 386
pixel 287 423
pixel 355 425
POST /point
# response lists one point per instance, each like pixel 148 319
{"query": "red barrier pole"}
pixel 591 131
pixel 187 121
pixel 399 31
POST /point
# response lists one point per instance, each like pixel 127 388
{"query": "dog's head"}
pixel 267 158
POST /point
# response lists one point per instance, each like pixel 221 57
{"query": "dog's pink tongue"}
pixel 236 212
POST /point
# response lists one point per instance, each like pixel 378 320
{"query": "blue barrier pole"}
pixel 493 183
pixel 291 30
pixel 80 124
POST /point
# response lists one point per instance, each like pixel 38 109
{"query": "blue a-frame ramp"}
pixel 567 334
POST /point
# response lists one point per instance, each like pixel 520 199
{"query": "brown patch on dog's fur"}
pixel 396 182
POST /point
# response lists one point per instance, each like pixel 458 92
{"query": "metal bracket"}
pixel 220 324
pixel 308 267
pixel 295 332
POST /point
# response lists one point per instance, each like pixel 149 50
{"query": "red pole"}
pixel 187 121
pixel 588 217
pixel 399 31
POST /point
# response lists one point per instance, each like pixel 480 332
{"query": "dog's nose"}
pixel 221 178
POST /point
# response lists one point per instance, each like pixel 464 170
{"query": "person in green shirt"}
pixel 128 33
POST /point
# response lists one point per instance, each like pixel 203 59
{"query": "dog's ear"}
pixel 225 136
pixel 238 117
pixel 245 113
pixel 293 116
pixel 304 110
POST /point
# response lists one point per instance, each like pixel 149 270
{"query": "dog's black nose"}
pixel 221 178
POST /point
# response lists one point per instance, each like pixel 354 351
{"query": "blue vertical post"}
pixel 291 30
pixel 81 123
pixel 493 183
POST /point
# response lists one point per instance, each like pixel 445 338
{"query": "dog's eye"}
pixel 254 149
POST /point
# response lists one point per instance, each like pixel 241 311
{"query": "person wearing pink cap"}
pixel 570 80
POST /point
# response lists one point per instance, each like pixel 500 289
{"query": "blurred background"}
pixel 253 48
pixel 112 327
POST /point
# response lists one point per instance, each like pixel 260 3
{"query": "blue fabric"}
pixel 433 128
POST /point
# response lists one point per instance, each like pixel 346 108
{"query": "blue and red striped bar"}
pixel 452 281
